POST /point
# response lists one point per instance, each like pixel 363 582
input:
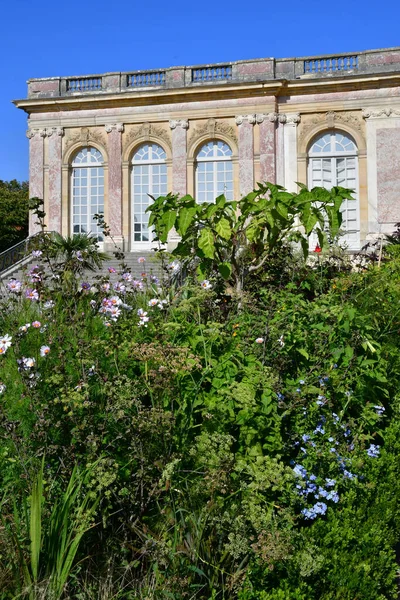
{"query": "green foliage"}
pixel 13 213
pixel 199 444
pixel 264 220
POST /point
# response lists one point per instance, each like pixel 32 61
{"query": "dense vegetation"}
pixel 184 437
pixel 13 212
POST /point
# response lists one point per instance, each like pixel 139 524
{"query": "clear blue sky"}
pixel 42 38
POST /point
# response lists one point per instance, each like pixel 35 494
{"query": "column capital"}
pixel 379 113
pixel 109 127
pixel 56 130
pixel 291 119
pixel 174 123
pixel 240 119
pixel 32 132
pixel 271 117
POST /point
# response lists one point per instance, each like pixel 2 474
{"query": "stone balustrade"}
pixel 246 71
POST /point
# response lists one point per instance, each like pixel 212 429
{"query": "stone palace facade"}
pixel 102 143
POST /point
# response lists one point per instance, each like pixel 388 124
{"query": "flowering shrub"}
pixel 237 448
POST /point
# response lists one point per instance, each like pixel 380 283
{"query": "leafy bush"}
pixel 229 445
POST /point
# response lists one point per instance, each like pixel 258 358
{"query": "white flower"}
pixel 44 350
pixel 259 340
pixel 48 304
pixel 28 362
pixel 126 277
pixel 5 340
pixel 14 286
pixel 153 302
pixel 206 285
pixel 281 342
pixel 174 267
pixel 37 253
pixel 24 328
pixel 3 388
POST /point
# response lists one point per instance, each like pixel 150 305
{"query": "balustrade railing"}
pixel 217 73
pixel 84 84
pixel 145 79
pixel 331 64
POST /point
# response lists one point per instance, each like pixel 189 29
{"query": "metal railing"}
pixel 16 254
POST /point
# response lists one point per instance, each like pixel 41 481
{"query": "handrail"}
pixel 16 253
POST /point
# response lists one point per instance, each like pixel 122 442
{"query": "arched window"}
pixel 214 173
pixel 149 176
pixel 87 191
pixel 333 160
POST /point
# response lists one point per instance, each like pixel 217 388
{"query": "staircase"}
pixel 15 261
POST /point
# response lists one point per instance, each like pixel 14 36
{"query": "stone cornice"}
pixel 208 93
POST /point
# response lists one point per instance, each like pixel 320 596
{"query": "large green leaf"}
pixel 225 269
pixel 206 242
pixel 223 228
pixel 186 219
pixel 169 219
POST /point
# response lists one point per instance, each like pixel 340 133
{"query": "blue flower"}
pixel 330 482
pixel 379 410
pixel 300 471
pixel 319 429
pixel 373 451
pixel 305 437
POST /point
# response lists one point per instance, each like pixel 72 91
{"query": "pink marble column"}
pixel 267 124
pixel 246 153
pixel 55 160
pixel 179 156
pixel 36 173
pixel 115 180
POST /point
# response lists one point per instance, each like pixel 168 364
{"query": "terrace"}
pixel 328 66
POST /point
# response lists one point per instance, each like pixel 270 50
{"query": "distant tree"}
pixel 13 212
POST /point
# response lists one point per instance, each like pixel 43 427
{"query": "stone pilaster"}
pixel 267 123
pixel 36 173
pixel 246 153
pixel 54 160
pixel 179 155
pixel 114 217
pixel 290 150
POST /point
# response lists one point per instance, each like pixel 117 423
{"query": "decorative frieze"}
pixel 31 133
pixel 378 113
pixel 291 119
pixel 330 120
pixel 85 136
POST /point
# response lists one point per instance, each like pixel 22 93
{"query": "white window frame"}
pixel 151 162
pixel 333 155
pixel 90 167
pixel 215 159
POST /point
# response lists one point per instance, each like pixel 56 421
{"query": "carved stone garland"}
pixel 146 131
pixel 331 119
pixel 84 136
pixel 212 128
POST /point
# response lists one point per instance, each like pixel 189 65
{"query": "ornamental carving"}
pixel 212 128
pixel 84 136
pixel 174 123
pixel 145 132
pixel 109 127
pixel 330 120
pixel 376 113
pixel 240 119
pixel 271 117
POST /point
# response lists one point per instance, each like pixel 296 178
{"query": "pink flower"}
pixel 31 294
pixel 141 260
pixel 36 324
pixel 259 340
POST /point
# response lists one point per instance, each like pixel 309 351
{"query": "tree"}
pixel 14 212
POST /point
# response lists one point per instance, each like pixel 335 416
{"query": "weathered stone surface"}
pixel 388 170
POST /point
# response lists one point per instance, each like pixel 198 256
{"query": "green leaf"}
pixel 225 269
pixel 303 352
pixel 186 219
pixel 223 228
pixel 206 242
pixel 169 219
